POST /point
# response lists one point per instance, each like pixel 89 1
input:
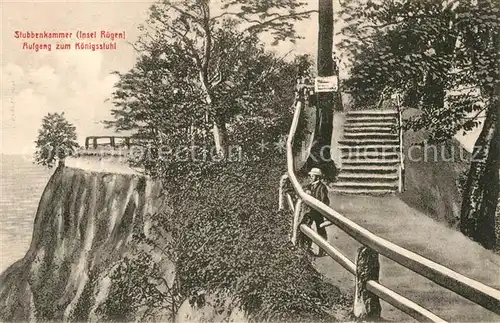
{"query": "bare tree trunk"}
pixel 320 155
pixel 480 195
pixel 366 305
pixel 325 38
pixel 219 123
pixel 220 135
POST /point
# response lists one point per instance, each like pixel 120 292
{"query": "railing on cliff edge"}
pixel 368 290
pixel 111 141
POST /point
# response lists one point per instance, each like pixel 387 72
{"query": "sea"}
pixel 21 185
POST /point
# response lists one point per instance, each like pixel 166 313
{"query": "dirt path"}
pixel 392 219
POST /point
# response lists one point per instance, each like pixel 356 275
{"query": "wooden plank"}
pixel 290 202
pixel 414 310
pixel 281 202
pixel 325 224
pixel 398 301
pixel 366 304
pixel 475 291
pixel 334 253
pixel 296 219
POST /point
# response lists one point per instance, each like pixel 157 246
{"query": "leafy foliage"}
pixel 205 68
pixel 225 238
pixel 440 54
pixel 56 140
pixel 443 56
pixel 221 235
pixel 139 289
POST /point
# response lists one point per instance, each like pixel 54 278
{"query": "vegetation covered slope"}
pixel 226 238
pixel 432 174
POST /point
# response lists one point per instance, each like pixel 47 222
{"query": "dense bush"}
pixel 56 140
pixel 226 237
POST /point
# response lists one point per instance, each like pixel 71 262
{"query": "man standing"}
pixel 319 191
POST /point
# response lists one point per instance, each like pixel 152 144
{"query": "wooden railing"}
pixel 401 171
pixel 96 142
pixel 366 269
pixel 109 141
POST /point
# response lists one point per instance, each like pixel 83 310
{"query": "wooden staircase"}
pixel 370 153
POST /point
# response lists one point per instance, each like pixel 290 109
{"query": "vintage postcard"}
pixel 250 161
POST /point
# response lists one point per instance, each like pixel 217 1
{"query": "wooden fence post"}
pixel 296 222
pixel 366 304
pixel 283 184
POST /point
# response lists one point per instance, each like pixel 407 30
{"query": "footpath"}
pixel 393 220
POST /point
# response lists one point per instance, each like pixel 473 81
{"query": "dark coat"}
pixel 319 191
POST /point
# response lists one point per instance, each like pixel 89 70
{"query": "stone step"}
pixel 374 169
pixel 358 191
pixel 368 142
pixel 370 135
pixel 343 176
pixel 370 162
pixel 381 119
pixel 364 130
pixel 347 155
pixel 360 150
pixel 366 186
pixel 358 125
pixel 372 112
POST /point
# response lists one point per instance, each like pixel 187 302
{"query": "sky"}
pixel 78 83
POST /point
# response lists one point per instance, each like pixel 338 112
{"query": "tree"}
pixel 156 99
pixel 224 238
pixel 198 35
pixel 320 155
pixel 56 140
pixel 444 57
pixel 160 97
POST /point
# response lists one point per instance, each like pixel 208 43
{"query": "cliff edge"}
pixel 83 223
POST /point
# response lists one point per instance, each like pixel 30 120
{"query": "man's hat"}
pixel 316 171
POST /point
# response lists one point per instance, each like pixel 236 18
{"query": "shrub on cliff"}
pixel 225 237
pixel 56 140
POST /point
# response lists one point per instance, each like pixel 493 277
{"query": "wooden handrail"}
pixel 112 141
pixel 475 291
pixel 401 154
pixel 391 297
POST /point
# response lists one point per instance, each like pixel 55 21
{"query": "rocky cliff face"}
pixel 432 174
pixel 83 223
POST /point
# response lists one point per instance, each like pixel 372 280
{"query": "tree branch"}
pixel 183 12
pixel 183 38
pixel 260 24
pixel 207 46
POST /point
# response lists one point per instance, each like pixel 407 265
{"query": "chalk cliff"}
pixel 83 223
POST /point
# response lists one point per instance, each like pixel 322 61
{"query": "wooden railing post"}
pixel 94 143
pixel 366 304
pixel 296 221
pixel 281 202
